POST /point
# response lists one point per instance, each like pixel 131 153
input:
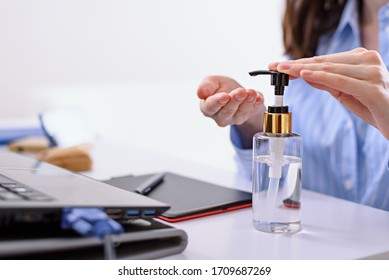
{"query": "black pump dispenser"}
pixel 279 81
pixel 277 119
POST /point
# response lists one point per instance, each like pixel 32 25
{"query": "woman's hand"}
pixel 228 103
pixel 358 79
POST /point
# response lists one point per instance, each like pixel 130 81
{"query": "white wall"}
pixel 134 66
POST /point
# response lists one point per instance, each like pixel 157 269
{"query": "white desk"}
pixel 332 228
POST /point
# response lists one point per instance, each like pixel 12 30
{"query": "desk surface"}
pixel 332 228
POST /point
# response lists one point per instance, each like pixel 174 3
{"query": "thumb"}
pixel 209 86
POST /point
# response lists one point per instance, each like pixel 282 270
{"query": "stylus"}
pixel 150 183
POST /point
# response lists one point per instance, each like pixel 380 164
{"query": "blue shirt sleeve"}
pixel 243 156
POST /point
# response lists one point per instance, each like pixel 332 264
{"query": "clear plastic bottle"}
pixel 277 182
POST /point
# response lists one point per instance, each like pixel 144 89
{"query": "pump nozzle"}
pixel 278 80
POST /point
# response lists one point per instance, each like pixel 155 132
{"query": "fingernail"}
pixel 273 65
pixel 284 66
pixel 259 99
pixel 250 99
pixel 306 72
pixel 223 99
pixel 239 97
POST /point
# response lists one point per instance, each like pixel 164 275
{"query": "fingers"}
pixel 237 110
pixel 341 83
pixel 359 64
pixel 352 59
pixel 354 71
pixel 355 56
pixel 275 65
pixel 348 101
pixel 214 84
pixel 225 101
pixel 233 108
pixel 211 105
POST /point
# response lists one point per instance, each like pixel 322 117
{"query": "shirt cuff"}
pixel 235 137
pixel 243 157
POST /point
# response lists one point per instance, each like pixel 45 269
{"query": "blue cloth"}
pixel 89 222
pixel 8 135
pixel 343 156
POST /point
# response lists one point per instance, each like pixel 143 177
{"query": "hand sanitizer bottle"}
pixel 277 165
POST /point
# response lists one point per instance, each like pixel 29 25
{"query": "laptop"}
pixel 34 191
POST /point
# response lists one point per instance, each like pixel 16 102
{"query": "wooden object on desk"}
pixel 75 158
pixel 31 144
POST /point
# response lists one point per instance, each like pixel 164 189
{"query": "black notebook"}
pixel 188 197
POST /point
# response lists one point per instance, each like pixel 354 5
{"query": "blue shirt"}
pixel 343 156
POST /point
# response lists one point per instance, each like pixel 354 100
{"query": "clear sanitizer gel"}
pixel 277 166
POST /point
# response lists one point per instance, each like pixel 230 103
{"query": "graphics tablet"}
pixel 188 197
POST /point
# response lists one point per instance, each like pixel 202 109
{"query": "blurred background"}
pixel 133 66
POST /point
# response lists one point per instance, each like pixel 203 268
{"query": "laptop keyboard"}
pixel 14 191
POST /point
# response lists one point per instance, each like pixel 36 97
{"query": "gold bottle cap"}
pixel 277 122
